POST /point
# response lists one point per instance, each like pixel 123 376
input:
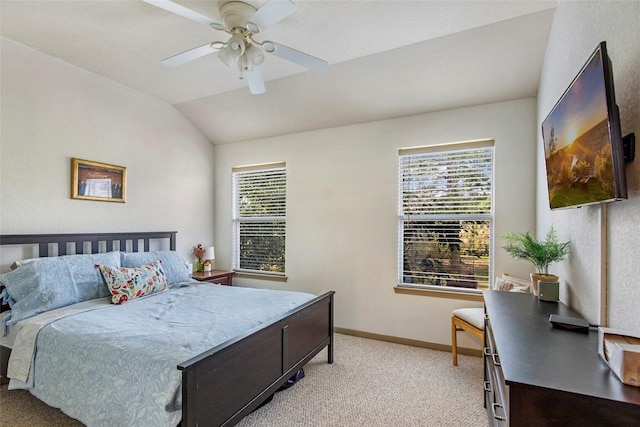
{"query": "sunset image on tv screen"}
pixel 577 142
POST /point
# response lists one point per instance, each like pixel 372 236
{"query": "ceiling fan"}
pixel 243 21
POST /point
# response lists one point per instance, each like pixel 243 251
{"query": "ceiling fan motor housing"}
pixel 235 14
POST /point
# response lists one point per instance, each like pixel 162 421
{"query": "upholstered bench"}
pixel 466 319
pixel 472 319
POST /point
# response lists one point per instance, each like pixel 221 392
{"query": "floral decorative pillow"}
pixel 126 284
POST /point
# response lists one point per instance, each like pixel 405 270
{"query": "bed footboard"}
pixel 226 383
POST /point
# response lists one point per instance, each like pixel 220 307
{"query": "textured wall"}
pixel 52 111
pixel 577 29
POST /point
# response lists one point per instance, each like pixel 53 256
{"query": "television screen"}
pixel 583 140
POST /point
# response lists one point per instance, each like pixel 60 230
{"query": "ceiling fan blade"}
pixel 190 55
pixel 186 13
pixel 272 12
pixel 311 62
pixel 254 80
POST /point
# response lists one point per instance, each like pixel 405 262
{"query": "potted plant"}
pixel 540 253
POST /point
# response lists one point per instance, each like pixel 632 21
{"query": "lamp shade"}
pixel 235 46
pixel 209 253
pixel 226 57
pixel 254 56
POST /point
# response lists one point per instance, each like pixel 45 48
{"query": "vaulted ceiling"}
pixel 387 58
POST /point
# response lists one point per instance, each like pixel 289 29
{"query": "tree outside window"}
pixel 445 215
pixel 259 219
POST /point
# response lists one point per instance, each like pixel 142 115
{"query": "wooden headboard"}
pixel 127 242
pixel 78 241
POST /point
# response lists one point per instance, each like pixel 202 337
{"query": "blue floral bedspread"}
pixel 117 366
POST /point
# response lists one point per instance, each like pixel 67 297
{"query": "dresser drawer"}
pixel 217 277
pixel 544 376
pixel 496 398
pixel 220 281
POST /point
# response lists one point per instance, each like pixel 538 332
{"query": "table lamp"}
pixel 209 256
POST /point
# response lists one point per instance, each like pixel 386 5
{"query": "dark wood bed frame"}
pixel 227 382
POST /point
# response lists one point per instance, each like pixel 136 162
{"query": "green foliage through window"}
pixel 445 217
pixel 259 219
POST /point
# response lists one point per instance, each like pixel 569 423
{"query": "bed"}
pixel 217 385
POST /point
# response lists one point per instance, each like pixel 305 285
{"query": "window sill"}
pixel 261 276
pixel 466 296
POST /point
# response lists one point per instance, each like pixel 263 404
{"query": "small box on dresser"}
pixel 621 351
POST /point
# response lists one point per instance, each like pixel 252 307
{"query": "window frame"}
pixel 436 290
pixel 237 220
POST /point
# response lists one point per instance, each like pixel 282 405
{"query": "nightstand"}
pixel 218 277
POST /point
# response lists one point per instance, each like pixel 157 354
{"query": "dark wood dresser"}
pixel 537 375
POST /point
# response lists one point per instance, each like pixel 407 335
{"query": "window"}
pixel 445 216
pixel 259 218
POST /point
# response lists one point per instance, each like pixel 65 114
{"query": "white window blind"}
pixel 259 218
pixel 446 215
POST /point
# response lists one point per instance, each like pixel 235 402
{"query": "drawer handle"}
pixel 494 356
pixel 487 386
pixel 496 359
pixel 494 406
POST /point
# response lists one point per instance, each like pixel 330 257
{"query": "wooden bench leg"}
pixel 454 342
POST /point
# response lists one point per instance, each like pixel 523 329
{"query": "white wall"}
pixel 53 111
pixel 577 29
pixel 342 194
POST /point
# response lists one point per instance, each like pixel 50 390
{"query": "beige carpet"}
pixel 370 383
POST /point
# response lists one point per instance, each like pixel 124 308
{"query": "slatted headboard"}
pixel 78 241
pixel 127 242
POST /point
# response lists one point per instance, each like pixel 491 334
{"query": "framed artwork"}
pixel 98 181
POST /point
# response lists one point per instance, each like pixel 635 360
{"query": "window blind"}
pixel 259 218
pixel 446 215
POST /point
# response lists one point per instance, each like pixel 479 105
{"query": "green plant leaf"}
pixel 539 253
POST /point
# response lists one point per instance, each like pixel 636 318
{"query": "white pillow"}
pixel 517 280
pixel 22 262
pixel 510 284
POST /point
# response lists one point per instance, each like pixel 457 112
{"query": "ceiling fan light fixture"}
pixel 253 28
pixel 268 47
pixel 226 57
pixel 254 56
pixel 242 65
pixel 235 46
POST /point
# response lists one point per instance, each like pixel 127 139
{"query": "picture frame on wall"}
pixel 98 181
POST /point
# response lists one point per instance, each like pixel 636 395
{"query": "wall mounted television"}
pixel 583 140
